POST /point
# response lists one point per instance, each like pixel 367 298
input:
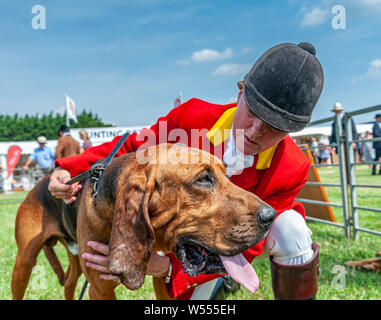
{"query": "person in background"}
pixel 338 109
pixel 377 144
pixel 67 146
pixel 43 155
pixel 86 140
pixel 359 148
pixel 367 148
pixel 325 152
pixel 315 150
pixel 1 179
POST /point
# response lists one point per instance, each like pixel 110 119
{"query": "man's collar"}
pixel 235 160
pixel 221 129
pixel 220 132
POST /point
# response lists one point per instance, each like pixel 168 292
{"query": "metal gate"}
pixel 347 168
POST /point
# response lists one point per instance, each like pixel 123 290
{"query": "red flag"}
pixel 14 153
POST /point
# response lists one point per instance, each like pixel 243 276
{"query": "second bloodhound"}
pixel 167 198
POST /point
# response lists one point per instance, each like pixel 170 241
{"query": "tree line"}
pixel 29 127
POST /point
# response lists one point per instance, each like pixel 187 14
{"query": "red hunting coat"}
pixel 276 176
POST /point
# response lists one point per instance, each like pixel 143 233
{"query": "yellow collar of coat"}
pixel 221 131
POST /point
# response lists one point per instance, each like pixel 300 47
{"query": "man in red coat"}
pixel 251 137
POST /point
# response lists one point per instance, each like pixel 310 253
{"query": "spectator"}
pixel 338 109
pixel 43 155
pixel 325 152
pixel 359 148
pixel 377 144
pixel 315 150
pixel 367 148
pixel 86 140
pixel 1 179
pixel 66 146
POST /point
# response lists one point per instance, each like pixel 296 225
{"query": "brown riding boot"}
pixel 296 282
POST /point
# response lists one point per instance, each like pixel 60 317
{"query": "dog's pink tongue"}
pixel 241 271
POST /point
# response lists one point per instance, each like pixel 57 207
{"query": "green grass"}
pixel 335 250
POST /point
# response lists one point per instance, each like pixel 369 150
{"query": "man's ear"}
pixel 239 95
pixel 132 234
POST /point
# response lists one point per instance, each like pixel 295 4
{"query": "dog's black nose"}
pixel 266 215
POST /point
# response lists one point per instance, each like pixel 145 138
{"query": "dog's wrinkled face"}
pixel 180 200
pixel 200 214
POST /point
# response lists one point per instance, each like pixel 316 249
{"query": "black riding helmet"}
pixel 284 85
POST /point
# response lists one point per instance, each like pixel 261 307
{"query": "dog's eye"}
pixel 205 181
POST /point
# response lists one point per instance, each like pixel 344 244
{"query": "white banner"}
pixel 106 134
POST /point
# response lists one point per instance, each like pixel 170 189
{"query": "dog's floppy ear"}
pixel 132 233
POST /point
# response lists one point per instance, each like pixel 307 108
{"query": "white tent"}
pixel 326 130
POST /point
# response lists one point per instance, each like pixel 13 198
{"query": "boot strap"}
pixel 296 282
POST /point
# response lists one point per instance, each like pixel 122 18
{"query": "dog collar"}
pixel 96 171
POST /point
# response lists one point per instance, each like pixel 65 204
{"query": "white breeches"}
pixel 288 241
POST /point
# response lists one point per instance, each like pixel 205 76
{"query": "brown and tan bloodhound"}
pixel 167 198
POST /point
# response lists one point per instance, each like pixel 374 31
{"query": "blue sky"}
pixel 128 60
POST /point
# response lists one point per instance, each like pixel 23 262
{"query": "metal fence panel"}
pixel 351 164
pixel 347 167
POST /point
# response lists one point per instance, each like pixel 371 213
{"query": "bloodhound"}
pixel 167 198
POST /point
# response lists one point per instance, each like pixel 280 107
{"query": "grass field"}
pixel 335 249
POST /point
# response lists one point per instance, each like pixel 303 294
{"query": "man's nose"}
pixel 266 215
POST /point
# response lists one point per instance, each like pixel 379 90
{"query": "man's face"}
pixel 251 134
pixel 378 119
pixel 42 145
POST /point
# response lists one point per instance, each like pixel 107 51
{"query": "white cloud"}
pixel 374 71
pixel 206 55
pixel 313 17
pixel 211 55
pixel 231 69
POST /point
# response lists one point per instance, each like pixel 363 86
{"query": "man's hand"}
pixel 98 262
pixel 27 164
pixel 158 265
pixel 59 189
